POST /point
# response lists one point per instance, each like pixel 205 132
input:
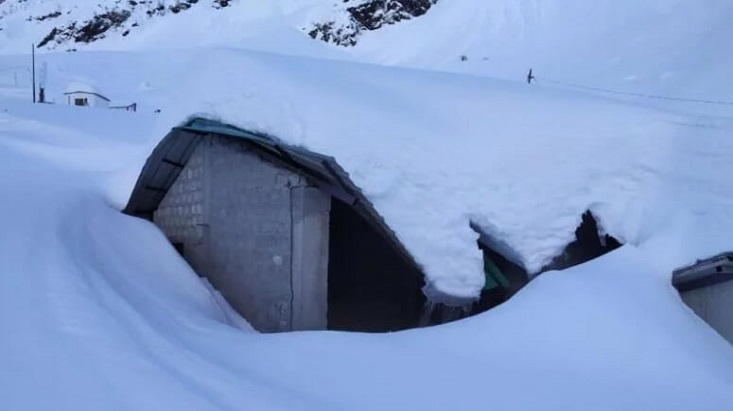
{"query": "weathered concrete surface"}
pixel 714 304
pixel 236 217
pixel 310 209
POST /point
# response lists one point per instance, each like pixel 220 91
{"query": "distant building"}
pixel 707 288
pixel 84 95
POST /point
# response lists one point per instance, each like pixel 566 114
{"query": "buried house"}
pixel 293 244
pixel 280 231
pixel 85 95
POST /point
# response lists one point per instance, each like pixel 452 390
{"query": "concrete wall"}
pixel 258 232
pixel 310 212
pixel 181 213
pixel 92 100
pixel 714 304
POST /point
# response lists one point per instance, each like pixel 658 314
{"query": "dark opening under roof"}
pixel 165 164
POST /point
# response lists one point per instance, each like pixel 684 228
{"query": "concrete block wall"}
pixel 257 231
pixel 181 213
pixel 714 304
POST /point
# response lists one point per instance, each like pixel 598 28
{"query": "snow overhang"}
pixel 492 242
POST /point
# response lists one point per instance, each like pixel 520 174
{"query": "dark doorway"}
pixel 371 288
pixel 589 244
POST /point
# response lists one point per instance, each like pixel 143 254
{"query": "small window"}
pixel 81 102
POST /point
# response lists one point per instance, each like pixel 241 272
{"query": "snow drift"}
pixel 98 311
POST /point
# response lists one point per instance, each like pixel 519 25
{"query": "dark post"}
pixel 530 77
pixel 33 68
pixel 41 95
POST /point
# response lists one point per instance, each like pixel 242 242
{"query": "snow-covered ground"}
pixel 97 311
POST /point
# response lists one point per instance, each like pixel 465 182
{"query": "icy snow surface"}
pixel 97 311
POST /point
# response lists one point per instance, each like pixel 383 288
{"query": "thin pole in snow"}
pixel 530 77
pixel 33 68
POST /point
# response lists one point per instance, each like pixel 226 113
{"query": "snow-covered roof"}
pixel 83 88
pixel 436 152
pixel 172 154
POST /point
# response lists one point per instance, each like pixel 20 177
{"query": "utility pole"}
pixel 33 68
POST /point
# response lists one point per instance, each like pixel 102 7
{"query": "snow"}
pixel 77 87
pixel 97 310
pixel 660 47
pixel 479 153
pixel 117 321
pixel 665 47
pixel 268 25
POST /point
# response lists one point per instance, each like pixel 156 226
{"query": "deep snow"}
pixel 116 320
pixel 97 310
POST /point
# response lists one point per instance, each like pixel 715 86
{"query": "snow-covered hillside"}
pixel 98 311
pixel 71 25
pixel 679 48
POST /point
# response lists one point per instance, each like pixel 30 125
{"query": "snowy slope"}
pixel 72 25
pixel 679 47
pixel 117 24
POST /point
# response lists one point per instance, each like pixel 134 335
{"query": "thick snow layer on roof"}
pixel 80 87
pixel 435 152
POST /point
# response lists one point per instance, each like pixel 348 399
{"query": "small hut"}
pixel 85 95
